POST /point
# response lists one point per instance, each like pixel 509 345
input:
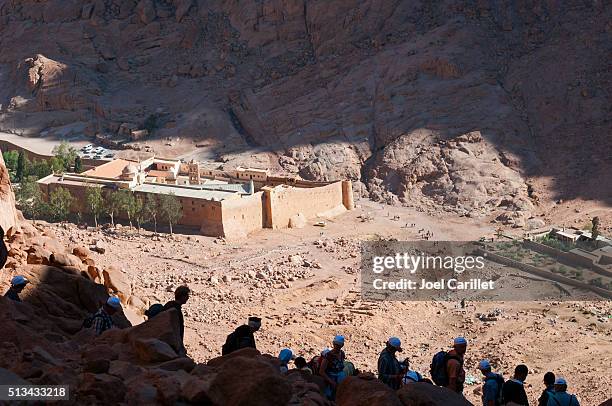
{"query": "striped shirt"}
pixel 102 321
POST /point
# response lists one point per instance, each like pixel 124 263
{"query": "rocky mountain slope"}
pixel 43 342
pixel 383 92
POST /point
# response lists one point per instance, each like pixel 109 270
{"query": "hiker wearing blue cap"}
pixel 18 283
pixel 492 387
pixel 102 320
pixel 390 370
pixel 513 390
pixel 447 367
pixel 560 397
pixel 332 367
pixel 454 365
pixel 284 357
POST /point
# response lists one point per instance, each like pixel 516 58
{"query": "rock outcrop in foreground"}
pixel 42 343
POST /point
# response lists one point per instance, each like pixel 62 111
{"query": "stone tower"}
pixel 194 173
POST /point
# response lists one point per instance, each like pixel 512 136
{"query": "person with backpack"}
pixel 549 383
pixel 493 384
pixel 18 284
pixel 154 310
pixel 390 370
pixel 181 296
pixel 315 362
pixel 447 367
pixel 513 391
pixel 242 337
pixel 332 367
pixel 560 397
pixel 102 320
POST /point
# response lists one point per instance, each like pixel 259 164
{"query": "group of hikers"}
pixel 447 370
pixel 331 365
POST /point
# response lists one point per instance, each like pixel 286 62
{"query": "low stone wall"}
pixel 567 258
pixel 242 216
pixel 281 203
pixel 543 274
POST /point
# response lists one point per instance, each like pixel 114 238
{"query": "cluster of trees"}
pixel 30 201
pixel 65 158
pixel 151 209
pixel 137 209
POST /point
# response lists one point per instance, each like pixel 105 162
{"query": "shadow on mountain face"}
pixel 333 85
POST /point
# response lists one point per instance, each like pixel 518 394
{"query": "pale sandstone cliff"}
pixel 8 214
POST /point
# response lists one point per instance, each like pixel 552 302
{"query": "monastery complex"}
pixel 222 203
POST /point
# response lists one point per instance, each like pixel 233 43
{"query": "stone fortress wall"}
pixel 269 202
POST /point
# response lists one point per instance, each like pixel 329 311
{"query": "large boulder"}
pixel 253 380
pixel 38 255
pixel 63 291
pixel 103 388
pixel 116 282
pixel 63 259
pixel 365 390
pixel 425 394
pixel 163 327
pixel 82 252
pixel 153 350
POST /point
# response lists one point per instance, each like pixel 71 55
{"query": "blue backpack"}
pixel 500 383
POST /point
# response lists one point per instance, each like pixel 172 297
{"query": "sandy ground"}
pixel 306 300
pixel 41 146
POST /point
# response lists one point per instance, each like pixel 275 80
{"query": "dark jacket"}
pixel 514 391
pixel 12 294
pixel 173 304
pixel 3 249
pixel 543 399
pixel 244 337
pixel 241 337
pixel 388 365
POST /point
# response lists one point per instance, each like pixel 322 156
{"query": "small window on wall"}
pixel 193 209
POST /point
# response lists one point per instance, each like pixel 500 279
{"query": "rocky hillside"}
pixel 423 102
pixel 43 343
